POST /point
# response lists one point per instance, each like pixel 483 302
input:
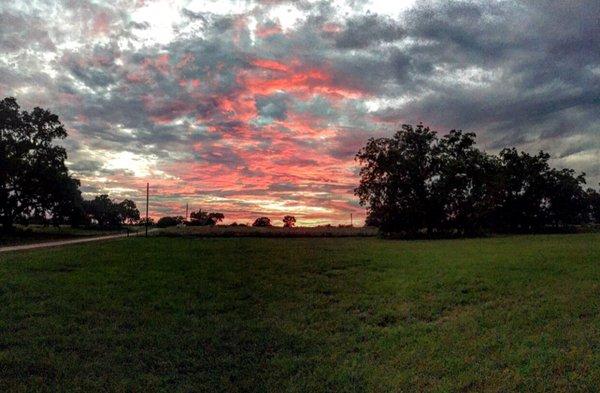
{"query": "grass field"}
pixel 354 314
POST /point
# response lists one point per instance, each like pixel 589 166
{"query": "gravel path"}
pixel 67 242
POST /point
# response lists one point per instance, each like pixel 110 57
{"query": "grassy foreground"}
pixel 243 314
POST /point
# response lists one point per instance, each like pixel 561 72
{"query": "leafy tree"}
pixel 525 182
pixel 396 178
pixel 104 211
pixel 216 217
pixel 593 202
pixel 289 221
pixel 34 180
pixel 262 222
pixel 142 221
pixel 415 182
pixel 466 192
pixel 164 222
pixel 566 201
pixel 129 212
pixel 202 218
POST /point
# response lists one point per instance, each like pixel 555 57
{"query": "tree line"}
pixel 202 218
pixel 416 183
pixel 412 183
pixel 35 183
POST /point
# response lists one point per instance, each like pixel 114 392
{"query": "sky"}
pixel 258 107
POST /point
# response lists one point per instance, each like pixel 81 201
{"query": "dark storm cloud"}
pixel 366 30
pixel 517 74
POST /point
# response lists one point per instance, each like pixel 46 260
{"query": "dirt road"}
pixel 66 242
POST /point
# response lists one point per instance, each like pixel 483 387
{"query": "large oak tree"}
pixel 34 180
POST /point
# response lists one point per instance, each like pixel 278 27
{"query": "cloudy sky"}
pixel 256 107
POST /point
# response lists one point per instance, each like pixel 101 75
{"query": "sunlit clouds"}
pixel 258 107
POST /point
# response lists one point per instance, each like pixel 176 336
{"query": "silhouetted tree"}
pixel 565 202
pixel 202 218
pixel 593 202
pixel 109 214
pixel 525 182
pixel 142 221
pixel 415 182
pixel 289 221
pixel 216 217
pixel 34 180
pixel 164 222
pixel 262 222
pixel 465 188
pixel 129 212
pixel 396 178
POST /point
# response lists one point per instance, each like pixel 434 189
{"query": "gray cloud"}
pixel 365 30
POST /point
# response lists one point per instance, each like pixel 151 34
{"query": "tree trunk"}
pixel 7 224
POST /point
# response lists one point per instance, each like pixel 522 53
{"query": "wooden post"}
pixel 147 200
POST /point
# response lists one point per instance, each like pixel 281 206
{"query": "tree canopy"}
pixel 34 180
pixel 415 182
pixel 203 218
pixel 109 214
pixel 262 222
pixel 289 221
pixel 169 221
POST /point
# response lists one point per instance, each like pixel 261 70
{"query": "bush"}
pixel 164 222
pixel 262 222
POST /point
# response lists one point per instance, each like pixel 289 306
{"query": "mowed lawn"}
pixel 306 315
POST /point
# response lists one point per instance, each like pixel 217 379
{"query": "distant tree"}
pixel 34 180
pixel 216 217
pixel 129 212
pixel 202 218
pixel 164 222
pixel 142 221
pixel 104 211
pixel 289 221
pixel 593 203
pixel 262 222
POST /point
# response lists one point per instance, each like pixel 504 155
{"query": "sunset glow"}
pixel 257 108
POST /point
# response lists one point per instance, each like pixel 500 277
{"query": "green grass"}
pixel 243 314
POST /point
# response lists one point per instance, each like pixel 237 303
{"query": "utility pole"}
pixel 147 200
pixel 351 221
pixel 186 210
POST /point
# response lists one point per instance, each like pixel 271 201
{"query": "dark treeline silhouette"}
pixel 169 221
pixel 262 222
pixel 412 183
pixel 289 221
pixel 35 184
pixel 202 218
pixel 416 183
pixel 199 218
pixel 106 213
